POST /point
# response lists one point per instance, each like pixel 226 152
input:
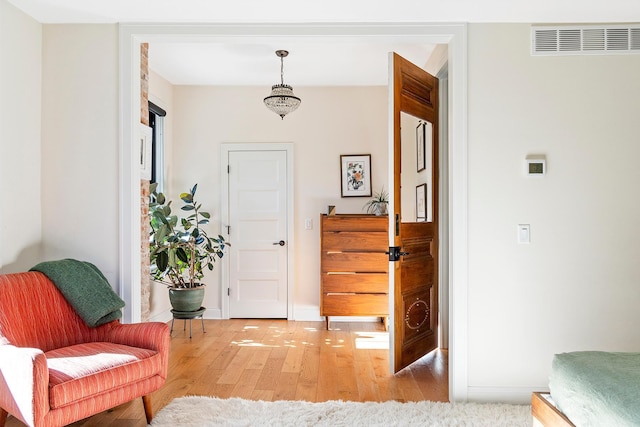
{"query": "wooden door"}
pixel 415 234
pixel 258 234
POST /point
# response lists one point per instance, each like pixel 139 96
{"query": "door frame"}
pixel 452 34
pixel 225 149
pixel 443 205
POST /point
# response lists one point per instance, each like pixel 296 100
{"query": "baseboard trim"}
pixel 516 395
pixel 163 316
pixel 306 314
pixel 213 313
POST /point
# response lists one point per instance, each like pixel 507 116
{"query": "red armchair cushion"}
pixel 88 369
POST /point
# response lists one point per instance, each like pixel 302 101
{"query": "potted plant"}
pixel 379 204
pixel 180 248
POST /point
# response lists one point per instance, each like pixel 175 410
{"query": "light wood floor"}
pixel 279 359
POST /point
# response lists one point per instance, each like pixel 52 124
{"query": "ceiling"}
pixel 311 62
pixel 281 11
pixel 256 64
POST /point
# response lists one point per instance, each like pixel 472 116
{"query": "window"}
pixel 156 122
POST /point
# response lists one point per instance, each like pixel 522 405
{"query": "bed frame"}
pixel 546 414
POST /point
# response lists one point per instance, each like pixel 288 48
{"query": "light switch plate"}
pixel 524 233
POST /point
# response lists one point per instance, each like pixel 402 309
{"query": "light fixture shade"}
pixel 282 101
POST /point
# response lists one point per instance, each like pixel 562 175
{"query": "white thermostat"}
pixel 535 165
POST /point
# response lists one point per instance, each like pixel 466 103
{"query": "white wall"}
pixel 331 121
pixel 20 117
pixel 80 145
pixel 576 286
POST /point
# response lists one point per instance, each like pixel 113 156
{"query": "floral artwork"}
pixel 356 175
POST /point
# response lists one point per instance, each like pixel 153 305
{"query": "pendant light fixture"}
pixel 282 101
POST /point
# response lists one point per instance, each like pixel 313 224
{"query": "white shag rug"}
pixel 196 411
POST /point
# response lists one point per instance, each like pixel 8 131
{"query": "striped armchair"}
pixel 54 369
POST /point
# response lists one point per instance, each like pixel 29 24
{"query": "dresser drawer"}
pixel 336 304
pixel 361 223
pixel 365 262
pixel 372 241
pixel 375 283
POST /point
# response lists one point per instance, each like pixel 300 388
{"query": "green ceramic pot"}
pixel 186 299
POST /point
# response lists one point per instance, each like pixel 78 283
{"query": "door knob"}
pixel 281 243
pixel 395 253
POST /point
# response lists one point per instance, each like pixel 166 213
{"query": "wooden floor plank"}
pixel 293 360
pixel 270 374
pixel 307 386
pixel 262 395
pixel 286 386
pixel 259 358
pixel 306 391
pixel 327 379
pixel 365 378
pixel 233 371
pixel 247 383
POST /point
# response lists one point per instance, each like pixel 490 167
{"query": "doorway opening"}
pixel 454 35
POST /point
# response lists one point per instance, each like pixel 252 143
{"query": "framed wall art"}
pixel 421 202
pixel 355 175
pixel 420 146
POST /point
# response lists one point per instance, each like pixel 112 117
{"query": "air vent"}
pixel 585 40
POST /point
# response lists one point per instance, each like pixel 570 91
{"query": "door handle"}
pixel 395 253
pixel 281 243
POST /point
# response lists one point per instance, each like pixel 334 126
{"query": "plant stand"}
pixel 190 315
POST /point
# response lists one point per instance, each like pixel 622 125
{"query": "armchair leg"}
pixel 148 410
pixel 3 417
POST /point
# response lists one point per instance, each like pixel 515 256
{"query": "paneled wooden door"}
pixel 415 234
pixel 258 255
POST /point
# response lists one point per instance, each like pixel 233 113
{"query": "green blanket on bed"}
pixel 595 388
pixel 85 288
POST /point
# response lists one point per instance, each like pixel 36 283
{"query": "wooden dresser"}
pixel 354 268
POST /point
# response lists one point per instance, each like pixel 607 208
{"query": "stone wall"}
pixel 145 284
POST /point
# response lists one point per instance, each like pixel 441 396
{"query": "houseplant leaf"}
pixel 162 260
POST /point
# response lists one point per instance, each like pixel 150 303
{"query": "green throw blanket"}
pixel 596 388
pixel 85 288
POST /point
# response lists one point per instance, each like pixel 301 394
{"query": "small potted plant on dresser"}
pixel 180 248
pixel 379 204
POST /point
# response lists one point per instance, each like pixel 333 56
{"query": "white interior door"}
pixel 257 203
